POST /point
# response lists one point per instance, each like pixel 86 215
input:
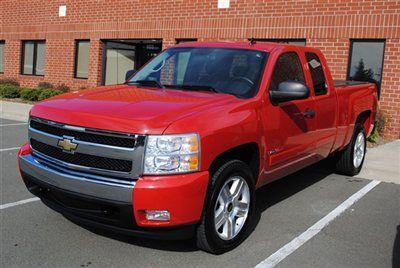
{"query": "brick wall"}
pixel 326 24
pixel 390 94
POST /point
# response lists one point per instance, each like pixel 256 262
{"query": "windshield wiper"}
pixel 150 83
pixel 194 87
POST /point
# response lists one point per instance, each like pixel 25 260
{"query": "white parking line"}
pixel 297 242
pixel 13 124
pixel 9 149
pixel 21 202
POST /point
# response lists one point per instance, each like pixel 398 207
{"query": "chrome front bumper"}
pixel 76 182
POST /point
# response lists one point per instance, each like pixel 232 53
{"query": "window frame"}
pixel 3 42
pixel 300 64
pixel 366 40
pixel 34 62
pixel 138 43
pixel 76 51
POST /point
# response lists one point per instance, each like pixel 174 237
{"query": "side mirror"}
pixel 129 74
pixel 288 91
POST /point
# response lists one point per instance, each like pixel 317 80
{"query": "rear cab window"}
pixel 317 74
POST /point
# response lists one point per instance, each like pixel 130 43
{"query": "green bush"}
pixel 9 91
pixel 45 85
pixel 9 81
pixel 380 122
pixel 48 93
pixel 63 87
pixel 30 94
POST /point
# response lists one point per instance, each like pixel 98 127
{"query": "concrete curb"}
pixel 15 111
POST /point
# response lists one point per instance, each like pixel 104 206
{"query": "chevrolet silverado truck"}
pixel 180 148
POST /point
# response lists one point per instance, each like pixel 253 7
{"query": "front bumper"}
pixel 76 182
pixel 117 205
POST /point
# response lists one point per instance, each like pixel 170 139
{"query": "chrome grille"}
pixel 110 154
pixel 82 159
pixel 126 142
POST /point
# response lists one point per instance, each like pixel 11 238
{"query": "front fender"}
pixel 220 129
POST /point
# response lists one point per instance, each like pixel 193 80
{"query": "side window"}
pixel 317 74
pixel 287 68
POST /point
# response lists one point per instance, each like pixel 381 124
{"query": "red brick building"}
pixel 93 42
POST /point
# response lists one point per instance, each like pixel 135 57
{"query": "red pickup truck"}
pixel 180 149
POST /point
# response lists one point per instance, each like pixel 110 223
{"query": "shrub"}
pixel 45 85
pixel 30 94
pixel 380 122
pixel 9 81
pixel 9 91
pixel 48 93
pixel 63 87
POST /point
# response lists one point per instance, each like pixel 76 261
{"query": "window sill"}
pixel 34 75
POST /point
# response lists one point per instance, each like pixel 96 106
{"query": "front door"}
pixel 290 125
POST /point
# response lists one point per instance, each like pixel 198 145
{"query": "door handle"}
pixel 308 113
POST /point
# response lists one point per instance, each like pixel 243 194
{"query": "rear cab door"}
pixel 289 134
pixel 325 101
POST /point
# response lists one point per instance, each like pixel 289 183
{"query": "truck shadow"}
pixel 267 196
pixel 277 191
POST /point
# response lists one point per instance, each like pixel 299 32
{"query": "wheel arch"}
pixel 249 153
pixel 366 120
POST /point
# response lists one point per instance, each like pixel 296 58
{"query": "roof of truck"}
pixel 264 46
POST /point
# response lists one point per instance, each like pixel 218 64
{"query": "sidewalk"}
pixel 381 163
pixel 14 111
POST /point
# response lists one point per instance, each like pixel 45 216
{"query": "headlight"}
pixel 166 154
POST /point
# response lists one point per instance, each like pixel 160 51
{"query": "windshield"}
pixel 232 71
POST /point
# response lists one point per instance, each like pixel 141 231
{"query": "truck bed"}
pixel 354 97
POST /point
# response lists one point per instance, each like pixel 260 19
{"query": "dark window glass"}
pixel 366 60
pixel 2 45
pixel 185 40
pixel 295 41
pixel 287 68
pixel 82 59
pixel 33 57
pixel 317 74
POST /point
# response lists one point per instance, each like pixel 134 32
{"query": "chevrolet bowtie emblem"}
pixel 67 145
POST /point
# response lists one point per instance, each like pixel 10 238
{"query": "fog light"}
pixel 157 215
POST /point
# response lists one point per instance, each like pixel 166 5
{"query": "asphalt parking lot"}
pixel 365 234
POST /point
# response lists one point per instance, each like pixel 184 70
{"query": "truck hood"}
pixel 126 108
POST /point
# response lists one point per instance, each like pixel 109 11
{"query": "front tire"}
pixel 350 160
pixel 228 209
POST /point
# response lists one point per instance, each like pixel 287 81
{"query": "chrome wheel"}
pixel 359 150
pixel 232 208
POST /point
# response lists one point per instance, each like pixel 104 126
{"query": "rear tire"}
pixel 228 209
pixel 351 159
